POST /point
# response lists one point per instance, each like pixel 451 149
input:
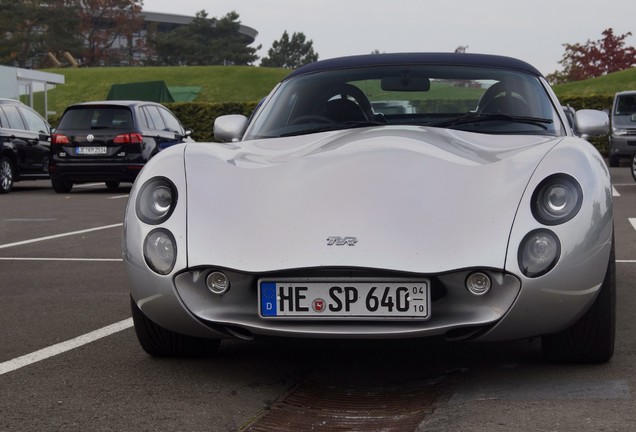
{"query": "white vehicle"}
pixel 478 216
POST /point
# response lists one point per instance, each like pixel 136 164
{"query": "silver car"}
pixel 476 215
pixel 622 140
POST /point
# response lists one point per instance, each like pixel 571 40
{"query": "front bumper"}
pixel 622 145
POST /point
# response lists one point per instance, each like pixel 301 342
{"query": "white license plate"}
pixel 94 150
pixel 364 298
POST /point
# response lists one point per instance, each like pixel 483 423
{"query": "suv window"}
pixel 13 117
pixel 156 122
pixel 172 123
pixel 34 122
pixel 3 119
pixel 84 117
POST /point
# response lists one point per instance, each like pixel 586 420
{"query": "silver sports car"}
pixel 381 196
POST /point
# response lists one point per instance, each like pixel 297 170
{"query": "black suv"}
pixel 24 144
pixel 110 141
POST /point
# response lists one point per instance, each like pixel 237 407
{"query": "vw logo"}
pixel 90 137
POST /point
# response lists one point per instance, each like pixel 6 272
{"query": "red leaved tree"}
pixel 595 58
pixel 107 28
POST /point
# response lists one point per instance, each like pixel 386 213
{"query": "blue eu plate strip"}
pixel 268 299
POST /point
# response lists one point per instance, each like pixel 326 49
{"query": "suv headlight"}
pixel 557 199
pixel 156 200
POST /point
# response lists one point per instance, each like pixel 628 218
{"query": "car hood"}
pixel 416 199
pixel 623 122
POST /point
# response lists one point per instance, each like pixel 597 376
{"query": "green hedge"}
pixel 597 102
pixel 200 116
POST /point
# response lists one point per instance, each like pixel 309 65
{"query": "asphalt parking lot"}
pixel 69 359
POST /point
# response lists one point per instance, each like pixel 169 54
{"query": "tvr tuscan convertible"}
pixel 381 196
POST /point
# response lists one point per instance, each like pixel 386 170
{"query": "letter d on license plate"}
pixel 363 298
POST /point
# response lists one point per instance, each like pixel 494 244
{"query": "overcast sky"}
pixel 531 30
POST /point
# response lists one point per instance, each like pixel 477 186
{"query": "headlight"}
pixel 539 252
pixel 156 200
pixel 619 131
pixel 557 199
pixel 160 251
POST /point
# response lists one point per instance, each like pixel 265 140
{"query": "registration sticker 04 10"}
pixel 366 299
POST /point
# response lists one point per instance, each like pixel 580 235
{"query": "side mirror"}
pixel 633 117
pixel 229 128
pixel 592 123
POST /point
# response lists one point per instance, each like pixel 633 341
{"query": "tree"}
pixel 290 53
pixel 31 28
pixel 103 25
pixel 595 58
pixel 205 41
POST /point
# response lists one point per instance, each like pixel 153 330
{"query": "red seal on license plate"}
pixel 318 305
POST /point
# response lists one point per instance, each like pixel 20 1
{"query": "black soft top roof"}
pixel 458 59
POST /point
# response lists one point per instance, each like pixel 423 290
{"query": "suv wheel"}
pixel 7 173
pixel 61 185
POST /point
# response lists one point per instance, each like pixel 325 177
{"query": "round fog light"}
pixel 217 282
pixel 478 283
pixel 160 251
pixel 539 253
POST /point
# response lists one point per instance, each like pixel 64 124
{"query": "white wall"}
pixel 8 82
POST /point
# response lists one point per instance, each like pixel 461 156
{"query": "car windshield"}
pixel 625 105
pixel 477 99
pixel 93 117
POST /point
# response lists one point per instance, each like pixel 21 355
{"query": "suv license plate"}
pixel 91 150
pixel 366 299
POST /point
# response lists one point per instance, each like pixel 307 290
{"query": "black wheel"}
pixel 112 185
pixel 7 174
pixel 159 342
pixel 614 161
pixel 634 167
pixel 61 185
pixel 591 338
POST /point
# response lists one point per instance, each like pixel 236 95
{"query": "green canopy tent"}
pixel 155 91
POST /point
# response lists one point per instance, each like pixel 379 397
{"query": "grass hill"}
pixel 219 83
pixel 604 85
pixel 245 83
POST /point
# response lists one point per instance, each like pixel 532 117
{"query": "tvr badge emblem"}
pixel 341 241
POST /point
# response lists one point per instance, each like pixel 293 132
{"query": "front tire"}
pixel 7 175
pixel 614 161
pixel 591 338
pixel 634 167
pixel 112 185
pixel 160 342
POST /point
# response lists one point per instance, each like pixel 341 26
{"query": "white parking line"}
pixel 615 192
pixel 118 197
pixel 61 259
pixel 63 347
pixel 35 240
pixel 89 185
pixel 633 222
